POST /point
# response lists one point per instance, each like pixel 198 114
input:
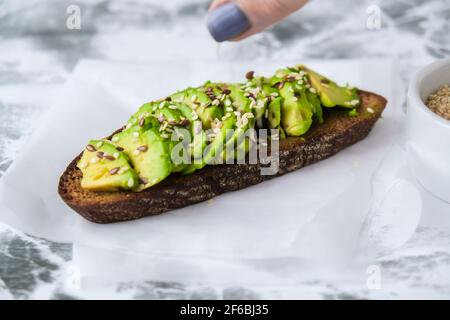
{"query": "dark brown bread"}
pixel 337 132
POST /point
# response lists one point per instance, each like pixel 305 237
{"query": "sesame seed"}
pixel 173 107
pixel 136 152
pixel 116 154
pixel 164 136
pixel 370 110
pixel 94 160
pixel 119 148
pixel 227 102
pixel 312 90
pixel 162 104
pixel 83 165
pixel 354 102
pixel 141 122
pixel 108 157
pixel 136 134
pixel 294 99
pixel 115 138
pixel 99 144
pixel 194 97
pixel 130 182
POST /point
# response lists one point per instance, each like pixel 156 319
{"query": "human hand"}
pixel 238 19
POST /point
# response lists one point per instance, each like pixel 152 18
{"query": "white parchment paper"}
pixel 314 213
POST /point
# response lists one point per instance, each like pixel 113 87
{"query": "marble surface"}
pixel 38 52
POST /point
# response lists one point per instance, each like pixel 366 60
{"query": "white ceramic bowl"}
pixel 428 135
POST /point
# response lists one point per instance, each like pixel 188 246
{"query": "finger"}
pixel 217 3
pixel 264 13
pixel 238 19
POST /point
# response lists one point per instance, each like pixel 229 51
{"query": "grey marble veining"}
pixel 38 52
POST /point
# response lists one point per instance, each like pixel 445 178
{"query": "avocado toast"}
pixel 132 174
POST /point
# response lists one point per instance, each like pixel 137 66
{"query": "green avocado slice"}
pixel 219 142
pixel 317 107
pixel 296 111
pixel 106 168
pixel 330 93
pixel 149 152
pixel 289 101
pixel 205 108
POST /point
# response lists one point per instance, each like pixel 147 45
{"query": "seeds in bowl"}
pixel 439 102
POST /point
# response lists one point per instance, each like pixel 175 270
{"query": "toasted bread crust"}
pixel 322 141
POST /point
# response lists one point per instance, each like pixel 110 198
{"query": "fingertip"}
pixel 227 21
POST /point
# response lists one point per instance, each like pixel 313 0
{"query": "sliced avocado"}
pixel 106 168
pixel 330 93
pixel 296 111
pixel 144 111
pixel 239 105
pixel 149 152
pixel 315 102
pixel 206 109
pixel 254 88
pixel 217 145
pixel 274 113
pixel 240 102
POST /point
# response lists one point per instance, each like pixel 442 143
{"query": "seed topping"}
pixel 90 148
pixel 185 123
pixel 142 148
pixel 249 75
pixel 114 170
pixel 439 102
pixel 130 182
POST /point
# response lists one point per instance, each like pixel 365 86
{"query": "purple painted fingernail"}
pixel 227 21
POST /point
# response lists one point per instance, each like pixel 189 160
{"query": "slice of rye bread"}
pixel 338 131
